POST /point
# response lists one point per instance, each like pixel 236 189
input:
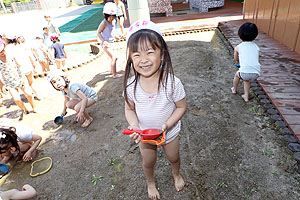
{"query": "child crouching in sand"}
pixel 17 139
pixel 78 96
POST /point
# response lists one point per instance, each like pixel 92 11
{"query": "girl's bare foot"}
pixel 233 90
pixel 153 193
pixel 87 122
pixel 179 182
pixel 245 98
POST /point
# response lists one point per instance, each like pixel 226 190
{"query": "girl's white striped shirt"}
pixel 153 110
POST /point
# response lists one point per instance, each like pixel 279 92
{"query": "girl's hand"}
pixel 137 138
pixel 164 128
pixel 106 44
pixel 27 156
pixel 80 117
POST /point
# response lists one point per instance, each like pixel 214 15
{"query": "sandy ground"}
pixel 227 150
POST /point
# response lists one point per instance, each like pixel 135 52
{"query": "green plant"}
pixel 111 161
pixel 96 178
pixel 112 187
pixel 221 185
pixel 274 172
pixel 253 108
pixel 269 154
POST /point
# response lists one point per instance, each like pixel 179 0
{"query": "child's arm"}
pixel 27 192
pixel 84 100
pixel 176 115
pixel 36 139
pixel 65 53
pixel 236 54
pixel 123 10
pixel 65 105
pixel 101 27
pixel 133 121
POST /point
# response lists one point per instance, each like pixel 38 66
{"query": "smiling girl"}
pixel 154 98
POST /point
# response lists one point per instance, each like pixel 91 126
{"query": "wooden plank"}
pixel 283 9
pixel 289 110
pixel 282 89
pixel 292 25
pixel 292 96
pixel 292 119
pixel 296 130
pixel 285 103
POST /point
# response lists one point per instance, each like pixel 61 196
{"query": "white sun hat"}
pixel 110 8
pixel 142 24
pixel 55 73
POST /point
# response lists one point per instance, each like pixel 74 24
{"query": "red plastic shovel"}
pixel 148 135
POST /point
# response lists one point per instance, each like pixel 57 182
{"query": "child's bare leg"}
pixel 17 99
pixel 63 63
pixel 88 119
pixel 121 22
pixel 5 157
pixel 28 94
pixel 246 90
pixel 172 153
pixel 57 64
pixel 30 83
pixel 45 65
pixel 149 159
pixel 236 81
pixel 72 103
pixel 113 63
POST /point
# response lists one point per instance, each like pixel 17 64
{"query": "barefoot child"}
pixel 247 54
pixel 154 98
pixel 58 52
pixel 12 76
pixel 121 15
pixel 16 139
pixel 27 192
pixel 105 34
pixel 78 96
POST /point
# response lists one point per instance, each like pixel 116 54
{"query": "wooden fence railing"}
pixel 280 19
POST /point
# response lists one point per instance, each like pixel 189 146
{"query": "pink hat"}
pixel 142 24
pixel 2 45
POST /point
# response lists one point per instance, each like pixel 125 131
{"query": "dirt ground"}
pixel 228 151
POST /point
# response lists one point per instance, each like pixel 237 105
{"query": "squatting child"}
pixel 78 96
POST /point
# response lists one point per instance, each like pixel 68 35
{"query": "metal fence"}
pixel 24 6
pixel 39 5
pixel 278 18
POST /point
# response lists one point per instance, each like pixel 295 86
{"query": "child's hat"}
pixel 55 73
pixel 10 36
pixel 142 24
pixel 53 37
pixel 110 9
pixel 2 45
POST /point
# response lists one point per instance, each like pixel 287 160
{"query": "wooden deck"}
pixel 280 75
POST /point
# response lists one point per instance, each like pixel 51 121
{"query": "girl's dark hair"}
pixel 66 81
pixel 139 40
pixel 248 32
pixel 106 16
pixel 8 136
pixel 55 40
pixel 13 41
